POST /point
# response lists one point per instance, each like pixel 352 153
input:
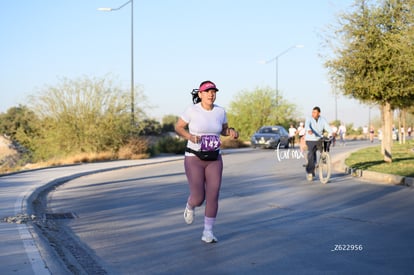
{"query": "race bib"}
pixel 210 142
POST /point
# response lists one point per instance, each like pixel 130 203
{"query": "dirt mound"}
pixel 9 153
pixel 6 147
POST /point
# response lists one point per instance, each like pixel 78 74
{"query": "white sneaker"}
pixel 208 237
pixel 309 177
pixel 188 215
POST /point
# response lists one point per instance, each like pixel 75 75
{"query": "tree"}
pixel 148 127
pixel 373 58
pixel 252 109
pixel 81 115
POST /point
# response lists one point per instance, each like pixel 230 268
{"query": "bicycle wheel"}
pixel 324 166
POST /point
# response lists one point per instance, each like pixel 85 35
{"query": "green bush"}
pixel 169 145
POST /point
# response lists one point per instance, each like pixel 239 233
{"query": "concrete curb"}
pixel 339 165
pixel 42 254
pixel 27 203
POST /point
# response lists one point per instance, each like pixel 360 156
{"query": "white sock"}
pixel 208 223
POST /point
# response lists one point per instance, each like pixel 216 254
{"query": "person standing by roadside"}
pixel 301 133
pixel 365 132
pixel 315 127
pixel 371 134
pixel 203 163
pixel 334 131
pixel 342 132
pixel 292 135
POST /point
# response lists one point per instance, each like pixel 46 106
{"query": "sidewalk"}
pixel 18 251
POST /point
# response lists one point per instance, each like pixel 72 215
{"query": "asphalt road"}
pixel 270 221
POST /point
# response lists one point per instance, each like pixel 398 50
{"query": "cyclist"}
pixel 315 127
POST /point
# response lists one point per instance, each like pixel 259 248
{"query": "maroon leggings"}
pixel 204 180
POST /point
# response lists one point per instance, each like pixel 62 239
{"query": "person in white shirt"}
pixel 301 133
pixel 292 135
pixel 334 133
pixel 365 132
pixel 203 164
pixel 342 132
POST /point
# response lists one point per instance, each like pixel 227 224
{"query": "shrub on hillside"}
pixel 170 145
pixel 135 148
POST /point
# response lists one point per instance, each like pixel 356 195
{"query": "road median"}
pixel 339 165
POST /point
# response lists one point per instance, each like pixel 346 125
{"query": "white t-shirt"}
pixel 342 130
pixel 292 131
pixel 301 131
pixel 203 122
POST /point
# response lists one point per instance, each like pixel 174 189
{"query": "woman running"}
pixel 203 164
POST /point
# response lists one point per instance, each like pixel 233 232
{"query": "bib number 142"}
pixel 210 142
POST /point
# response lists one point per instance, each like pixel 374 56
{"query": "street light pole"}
pixel 336 107
pixel 132 54
pixel 336 95
pixel 132 66
pixel 276 60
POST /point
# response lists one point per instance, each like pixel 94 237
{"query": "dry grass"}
pixel 136 148
pixel 228 142
pixel 74 159
pixel 83 158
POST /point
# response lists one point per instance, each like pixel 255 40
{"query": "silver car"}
pixel 270 137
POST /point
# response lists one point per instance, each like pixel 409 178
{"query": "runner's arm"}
pixel 180 129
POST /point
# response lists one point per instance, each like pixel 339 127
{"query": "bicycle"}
pixel 324 163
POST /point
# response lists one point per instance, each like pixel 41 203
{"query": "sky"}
pixel 177 45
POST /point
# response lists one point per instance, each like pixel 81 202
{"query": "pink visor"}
pixel 208 86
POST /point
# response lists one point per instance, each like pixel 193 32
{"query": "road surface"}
pixel 270 221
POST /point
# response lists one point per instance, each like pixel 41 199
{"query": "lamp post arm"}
pixel 276 59
pixel 115 9
pixel 285 51
pixel 280 54
pixel 123 5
